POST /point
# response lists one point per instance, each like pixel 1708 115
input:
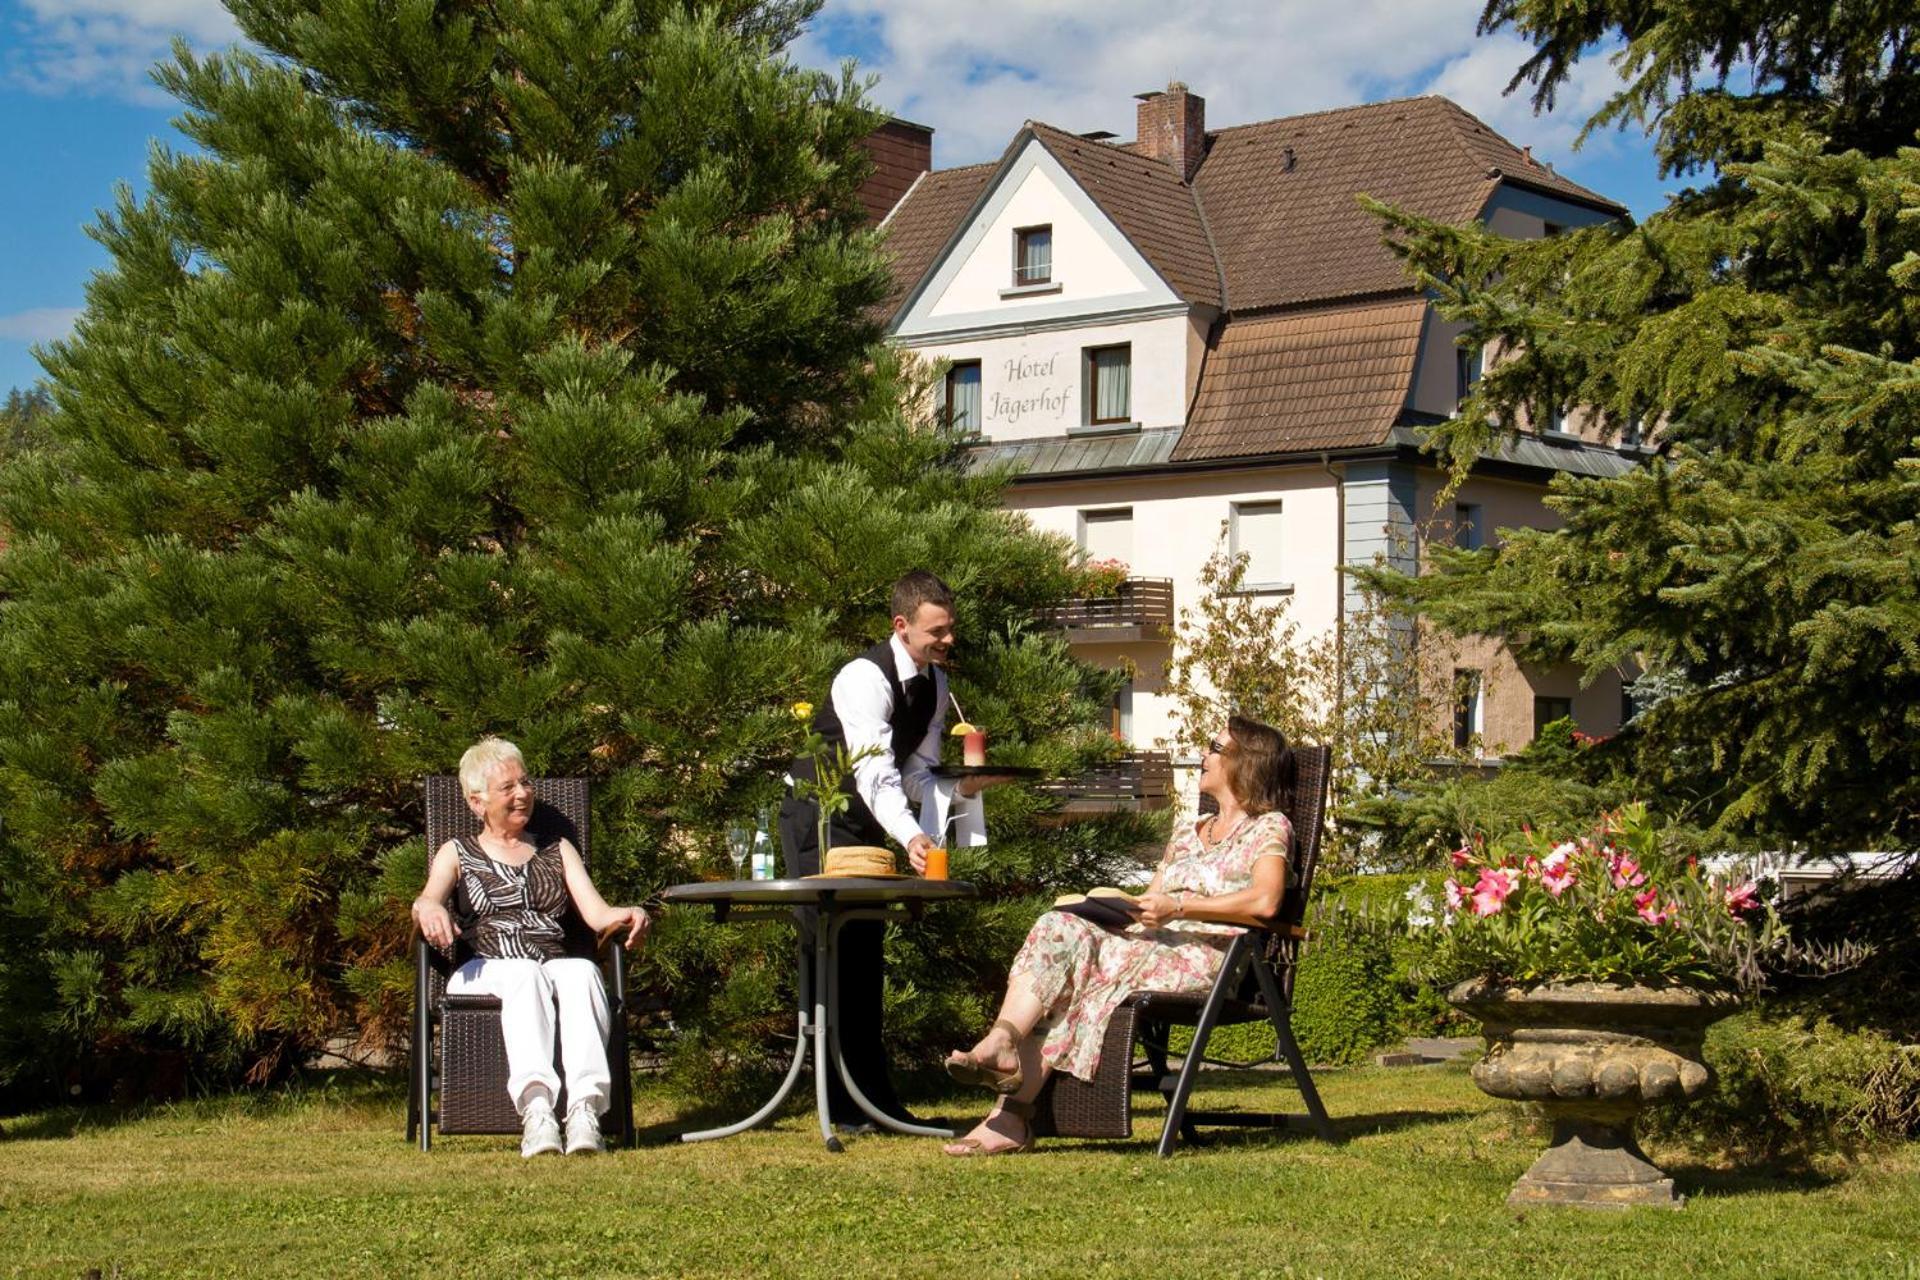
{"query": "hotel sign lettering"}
pixel 1029 389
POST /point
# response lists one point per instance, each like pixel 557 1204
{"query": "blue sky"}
pixel 80 113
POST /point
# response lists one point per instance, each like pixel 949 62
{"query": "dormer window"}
pixel 1032 256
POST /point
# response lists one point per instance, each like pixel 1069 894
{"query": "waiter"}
pixel 894 697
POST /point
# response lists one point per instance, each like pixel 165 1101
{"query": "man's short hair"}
pixel 918 588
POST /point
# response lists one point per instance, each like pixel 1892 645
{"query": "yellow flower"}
pixel 803 711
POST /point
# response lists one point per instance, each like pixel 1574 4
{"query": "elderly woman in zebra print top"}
pixel 519 888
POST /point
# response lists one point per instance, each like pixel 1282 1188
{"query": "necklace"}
pixel 1213 824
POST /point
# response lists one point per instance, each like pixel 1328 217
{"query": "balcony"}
pixel 1139 780
pixel 1142 609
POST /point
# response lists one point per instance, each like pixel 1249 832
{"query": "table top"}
pixel 812 892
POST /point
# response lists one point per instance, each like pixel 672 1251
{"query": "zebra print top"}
pixel 516 910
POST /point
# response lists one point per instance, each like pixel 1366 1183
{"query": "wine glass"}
pixel 740 847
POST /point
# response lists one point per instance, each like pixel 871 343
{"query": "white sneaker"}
pixel 583 1131
pixel 539 1132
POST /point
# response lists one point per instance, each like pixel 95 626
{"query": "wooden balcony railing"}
pixel 1138 780
pixel 1141 610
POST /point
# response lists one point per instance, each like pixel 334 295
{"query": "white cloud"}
pixel 976 71
pixel 107 47
pixel 40 324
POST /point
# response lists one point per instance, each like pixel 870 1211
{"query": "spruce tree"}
pixel 1762 568
pixel 499 369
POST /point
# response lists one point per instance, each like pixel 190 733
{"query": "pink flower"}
pixel 1456 896
pixel 1556 873
pixel 1742 898
pixel 1644 903
pixel 1461 857
pixel 1532 867
pixel 1491 891
pixel 1626 872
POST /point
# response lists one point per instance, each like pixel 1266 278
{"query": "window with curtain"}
pixel 1110 384
pixel 963 397
pixel 1033 255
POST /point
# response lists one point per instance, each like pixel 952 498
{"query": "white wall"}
pixel 1032 384
pixel 1176 525
pixel 1085 265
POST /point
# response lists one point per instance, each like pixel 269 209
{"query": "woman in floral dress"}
pixel 1070 975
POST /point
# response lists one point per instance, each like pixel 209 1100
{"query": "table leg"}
pixel 824 1029
pixel 800 1046
pixel 830 929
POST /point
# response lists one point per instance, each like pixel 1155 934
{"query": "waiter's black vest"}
pixel 909 720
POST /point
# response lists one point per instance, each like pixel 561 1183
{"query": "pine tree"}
pixel 486 369
pixel 1763 569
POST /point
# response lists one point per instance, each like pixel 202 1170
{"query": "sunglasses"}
pixel 1218 747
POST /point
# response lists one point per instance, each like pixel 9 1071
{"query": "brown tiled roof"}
pixel 1279 236
pixel 1330 378
pixel 1294 235
pixel 921 224
pixel 1149 203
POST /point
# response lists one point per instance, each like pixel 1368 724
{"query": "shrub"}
pixel 1360 985
pixel 1789 1084
pixel 1342 1005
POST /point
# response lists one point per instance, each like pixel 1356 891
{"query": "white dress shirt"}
pixel 863 700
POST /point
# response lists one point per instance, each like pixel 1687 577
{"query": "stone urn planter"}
pixel 1592 1055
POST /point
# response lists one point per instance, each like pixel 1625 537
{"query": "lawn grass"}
pixel 319 1182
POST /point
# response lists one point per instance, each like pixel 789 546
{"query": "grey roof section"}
pixel 1599 461
pixel 1153 450
pixel 1053 455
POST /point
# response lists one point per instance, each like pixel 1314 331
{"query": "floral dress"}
pixel 1080 972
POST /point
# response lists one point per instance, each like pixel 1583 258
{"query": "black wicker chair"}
pixel 1255 985
pixel 459 1081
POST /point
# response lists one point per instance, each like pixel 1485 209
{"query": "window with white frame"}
pixel 963 397
pixel 1107 534
pixel 1254 530
pixel 1109 377
pixel 1032 256
pixel 1467 699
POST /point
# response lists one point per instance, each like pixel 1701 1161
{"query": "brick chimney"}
pixel 1173 127
pixel 901 152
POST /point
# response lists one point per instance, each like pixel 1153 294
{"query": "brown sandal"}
pixel 974 1147
pixel 965 1069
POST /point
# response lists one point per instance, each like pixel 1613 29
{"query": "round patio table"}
pixel 818 907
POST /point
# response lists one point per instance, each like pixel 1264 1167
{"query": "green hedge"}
pixel 1788 1084
pixel 1358 988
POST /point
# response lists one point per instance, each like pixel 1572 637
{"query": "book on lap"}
pixel 1108 907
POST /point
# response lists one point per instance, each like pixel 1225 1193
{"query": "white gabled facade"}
pixel 1299 517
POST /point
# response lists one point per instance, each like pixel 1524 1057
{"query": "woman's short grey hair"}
pixel 482 758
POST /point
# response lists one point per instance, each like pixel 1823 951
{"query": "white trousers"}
pixel 529 992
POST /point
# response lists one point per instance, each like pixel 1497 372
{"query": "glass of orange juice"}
pixel 936 863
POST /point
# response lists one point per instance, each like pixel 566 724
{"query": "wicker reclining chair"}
pixel 459 1084
pixel 1255 985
